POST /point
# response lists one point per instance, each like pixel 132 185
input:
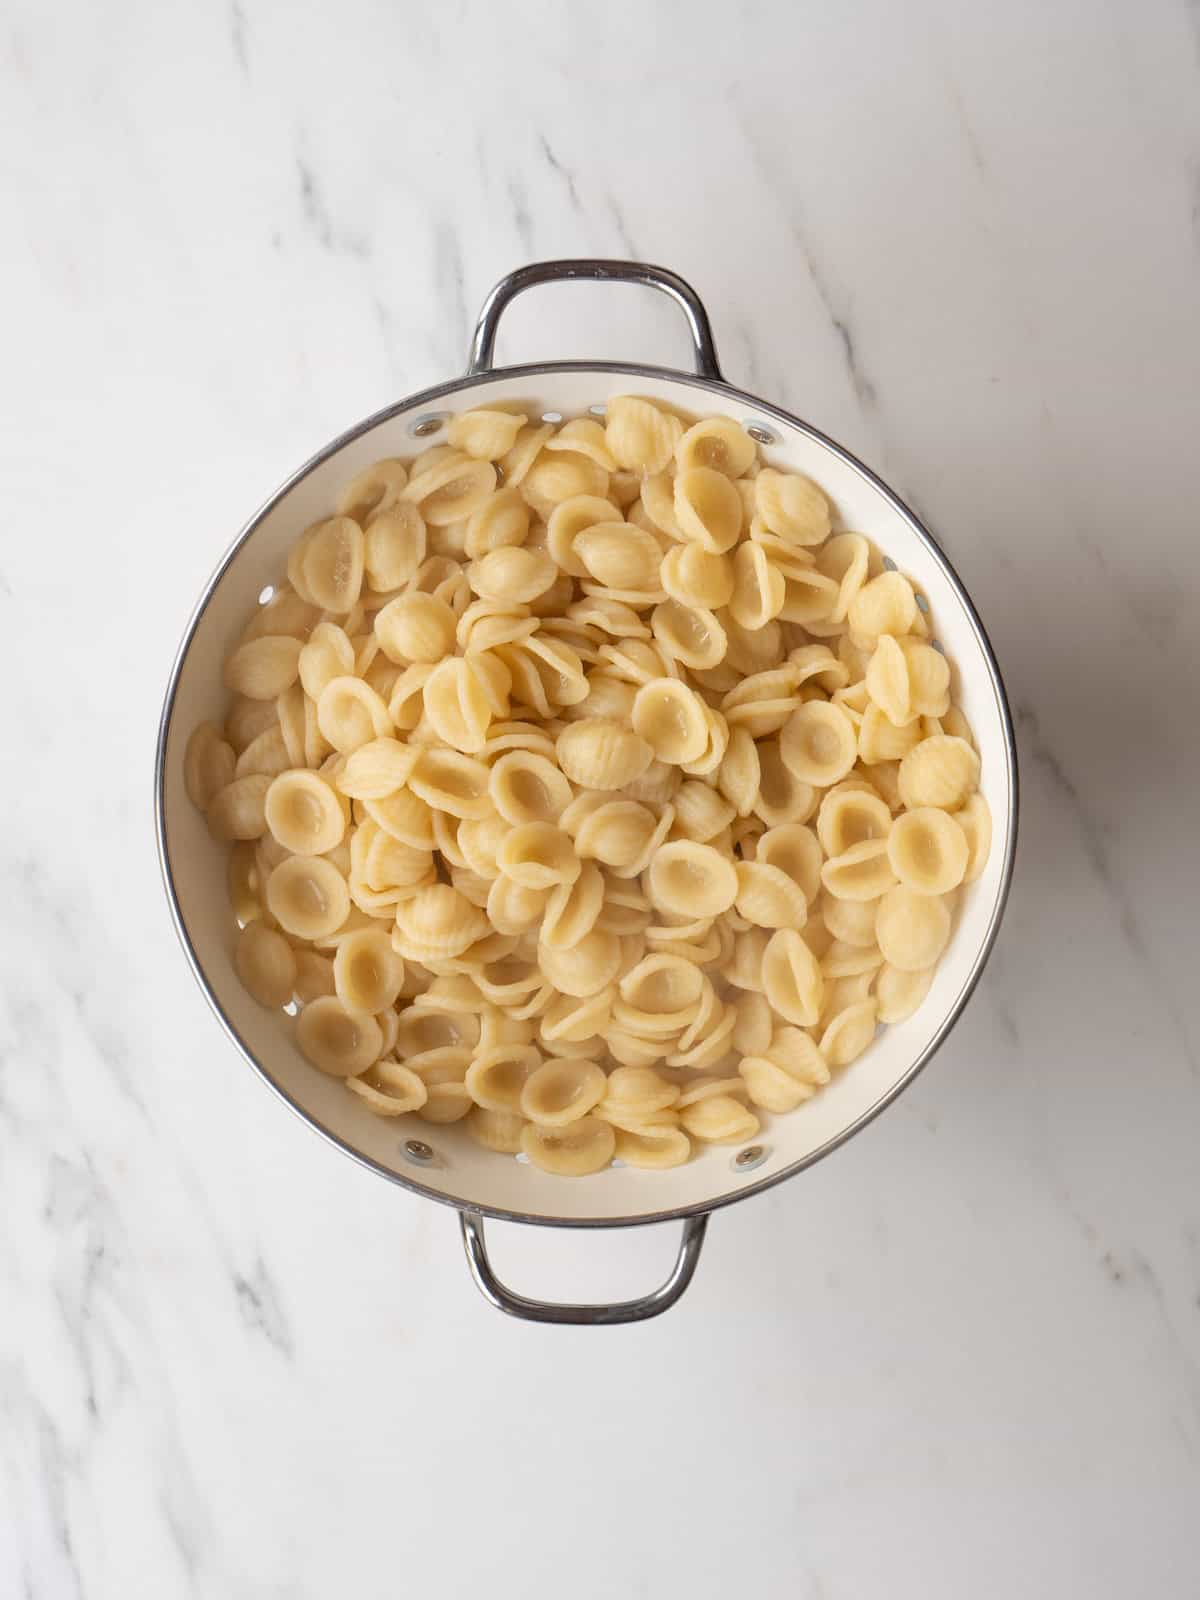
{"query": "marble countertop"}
pixel 963 1355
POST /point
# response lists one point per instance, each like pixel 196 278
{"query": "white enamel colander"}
pixel 441 1162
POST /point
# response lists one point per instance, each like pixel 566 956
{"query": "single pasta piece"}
pixel 768 898
pixel 770 1087
pixel 619 556
pixel 367 972
pixel 497 1075
pixel 650 1147
pixel 437 922
pixel 708 509
pixel 538 855
pixel 797 1053
pixel 782 796
pixel 601 754
pixel 621 834
pixel 449 781
pixel 486 435
pixel 389 1089
pixel 350 713
pixel 795 850
pixel 496 1130
pixel 849 1033
pixel 791 507
pixel 689 634
pixel 696 577
pixel 693 879
pixel 719 1119
pixel 208 765
pixel 586 967
pixel 238 811
pixel 928 850
pixel 739 774
pixel 792 978
pixel 339 1042
pixel 374 489
pixel 266 964
pixel 671 718
pixel 888 681
pixel 818 743
pixel 584 436
pixel 941 771
pixel 304 813
pixel 452 489
pixel 395 545
pixel 308 897
pixel 850 814
pixel 863 872
pixel 376 769
pixel 701 812
pixel 415 627
pixel 928 677
pixel 563 1091
pixel 975 820
pixel 886 604
pixel 844 558
pixel 263 668
pixel 512 575
pixel 898 994
pixel 527 787
pixel 850 921
pixel 912 929
pixel 573 1151
pixel 640 437
pixel 266 754
pixel 718 443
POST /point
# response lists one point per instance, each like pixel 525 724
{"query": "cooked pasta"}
pixel 589 784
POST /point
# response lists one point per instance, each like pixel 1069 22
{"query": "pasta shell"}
pixel 599 753
pixel 638 435
pixel 208 764
pixel 718 443
pixel 818 744
pixel 573 1151
pixel 791 506
pixel 792 979
pixel 941 771
pixel 338 1042
pixel 266 964
pixel 912 929
pixel 928 851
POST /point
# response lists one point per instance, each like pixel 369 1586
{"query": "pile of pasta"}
pixel 586 783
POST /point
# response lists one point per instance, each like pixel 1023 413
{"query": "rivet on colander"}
pixel 922 603
pixel 421 427
pixel 888 564
pixel 760 431
pixel 551 416
pixel 752 1156
pixel 418 1151
pixel 598 411
pixel 266 594
pixel 938 646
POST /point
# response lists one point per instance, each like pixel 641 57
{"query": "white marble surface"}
pixel 963 1355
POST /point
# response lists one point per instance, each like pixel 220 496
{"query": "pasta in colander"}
pixel 592 786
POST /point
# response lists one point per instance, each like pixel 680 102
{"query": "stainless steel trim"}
pixel 726 391
pixel 601 1316
pixel 704 352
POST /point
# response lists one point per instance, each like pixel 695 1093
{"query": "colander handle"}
pixel 704 352
pixel 519 1305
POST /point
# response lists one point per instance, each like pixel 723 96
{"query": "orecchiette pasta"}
pixel 586 782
